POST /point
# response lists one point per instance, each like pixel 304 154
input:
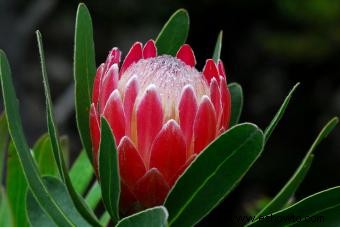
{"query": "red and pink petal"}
pixel 95 132
pixel 134 55
pixel 210 70
pixel 186 54
pixel 128 203
pixel 168 151
pixel 226 104
pixel 131 165
pixel 109 84
pixel 221 69
pixel 151 189
pixel 215 96
pixel 182 169
pixel 149 121
pixel 113 58
pixel 187 111
pixel 204 125
pixel 97 83
pixel 149 50
pixel 131 92
pixel 114 114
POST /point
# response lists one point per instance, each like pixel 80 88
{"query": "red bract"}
pixel 162 112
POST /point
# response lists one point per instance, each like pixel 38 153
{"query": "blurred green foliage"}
pixel 313 32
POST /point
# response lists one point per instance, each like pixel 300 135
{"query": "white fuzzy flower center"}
pixel 170 75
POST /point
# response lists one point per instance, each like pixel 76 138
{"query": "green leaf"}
pixel 324 204
pixel 281 199
pixel 108 171
pixel 94 196
pixel 59 216
pixel 52 131
pixel 218 47
pixel 105 219
pixel 174 33
pixel 236 94
pixel 3 143
pixel 36 216
pixel 43 155
pixel 16 187
pixel 56 147
pixel 65 147
pixel 84 72
pixel 81 173
pixel 6 216
pixel 214 174
pixel 59 192
pixel 279 114
pixel 153 217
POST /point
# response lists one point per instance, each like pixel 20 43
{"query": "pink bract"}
pixel 162 112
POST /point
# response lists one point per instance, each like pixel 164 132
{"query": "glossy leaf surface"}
pixel 35 183
pixel 56 147
pixel 108 171
pixel 325 204
pixel 214 174
pixel 153 217
pixel 174 33
pixel 16 187
pixel 84 72
pixel 236 94
pixel 218 47
pixel 37 216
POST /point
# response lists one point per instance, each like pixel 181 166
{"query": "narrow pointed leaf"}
pixel 81 173
pixel 236 94
pixel 324 204
pixel 84 72
pixel 174 33
pixel 279 114
pixel 153 217
pixel 43 155
pixel 94 196
pixel 218 47
pixel 291 186
pixel 108 171
pixel 105 219
pixel 6 216
pixel 65 148
pixel 225 160
pixel 16 187
pixel 56 147
pixel 52 131
pixel 36 216
pixel 59 192
pixel 3 143
pixel 34 181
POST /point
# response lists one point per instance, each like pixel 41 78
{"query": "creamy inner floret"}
pixel 169 75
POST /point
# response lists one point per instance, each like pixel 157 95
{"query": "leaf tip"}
pixel 182 10
pixel 82 8
pixel 297 85
pixel 220 35
pixel 82 5
pixel 3 57
pixel 330 126
pixel 335 120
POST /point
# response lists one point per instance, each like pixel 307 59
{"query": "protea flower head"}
pixel 162 112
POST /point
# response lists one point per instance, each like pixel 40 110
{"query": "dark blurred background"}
pixel 268 46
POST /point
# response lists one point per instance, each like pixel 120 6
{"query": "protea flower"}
pixel 162 112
